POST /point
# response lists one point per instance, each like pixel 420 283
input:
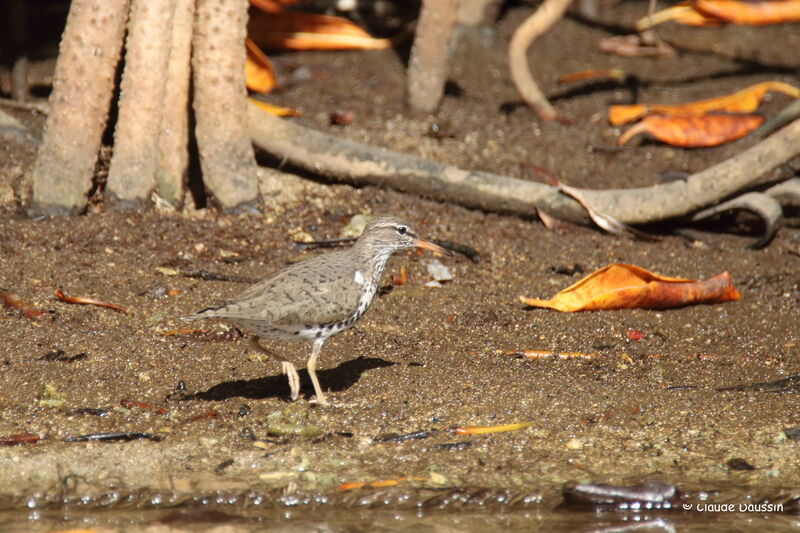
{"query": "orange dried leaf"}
pixel 294 30
pixel 268 6
pixel 482 430
pixel 694 131
pixel 278 111
pixel 620 286
pixel 271 6
pixel 746 100
pixel 258 71
pixel 682 14
pixel 751 13
pixel 381 483
pixel 622 114
pixel 544 354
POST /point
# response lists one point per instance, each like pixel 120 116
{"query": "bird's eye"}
pixel 402 230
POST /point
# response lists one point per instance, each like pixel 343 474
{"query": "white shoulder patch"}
pixel 359 277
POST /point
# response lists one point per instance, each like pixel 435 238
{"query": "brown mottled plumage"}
pixel 319 297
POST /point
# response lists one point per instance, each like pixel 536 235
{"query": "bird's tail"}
pixel 208 312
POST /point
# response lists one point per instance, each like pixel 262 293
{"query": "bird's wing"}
pixel 314 291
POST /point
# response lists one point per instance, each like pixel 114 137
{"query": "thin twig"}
pixel 87 301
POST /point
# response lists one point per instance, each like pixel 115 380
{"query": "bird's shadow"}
pixel 340 378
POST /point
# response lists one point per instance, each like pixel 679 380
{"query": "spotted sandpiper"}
pixel 319 297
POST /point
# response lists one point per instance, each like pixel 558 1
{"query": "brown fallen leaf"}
pixel 694 131
pixel 258 71
pixel 746 100
pixel 621 286
pixel 749 13
pixel 294 30
pixel 20 439
pixel 87 301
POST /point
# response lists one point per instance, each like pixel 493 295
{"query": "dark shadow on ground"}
pixel 336 379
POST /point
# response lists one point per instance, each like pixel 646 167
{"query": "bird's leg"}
pixel 311 366
pixel 294 378
pixel 286 365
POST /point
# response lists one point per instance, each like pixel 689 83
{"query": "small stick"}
pixel 87 301
pixel 113 437
pixel 207 275
pixel 131 404
pixel 11 301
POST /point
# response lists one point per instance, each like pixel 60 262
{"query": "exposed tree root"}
pixel 427 67
pixel 82 89
pixel 353 162
pixel 548 14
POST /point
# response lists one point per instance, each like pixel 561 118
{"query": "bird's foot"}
pixel 294 378
pixel 320 401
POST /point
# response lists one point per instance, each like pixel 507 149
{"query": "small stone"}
pixel 6 194
pixel 49 396
pixel 737 463
pixel 355 227
pixel 438 271
pixel 302 236
pixel 435 478
pixel 161 205
pixel 574 444
pixel 792 433
pixel 157 292
pixel 292 422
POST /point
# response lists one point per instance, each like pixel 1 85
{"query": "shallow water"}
pixel 391 521
pixel 443 510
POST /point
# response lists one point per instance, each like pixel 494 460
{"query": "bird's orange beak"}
pixel 428 245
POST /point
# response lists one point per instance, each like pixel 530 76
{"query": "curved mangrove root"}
pixel 348 161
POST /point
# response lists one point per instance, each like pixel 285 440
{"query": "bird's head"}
pixel 392 233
